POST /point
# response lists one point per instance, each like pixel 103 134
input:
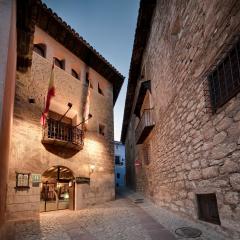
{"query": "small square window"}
pixel 207 208
pixel 40 49
pixel 75 74
pixel 101 129
pixel 100 90
pixel 117 160
pixel 59 63
pixel 31 100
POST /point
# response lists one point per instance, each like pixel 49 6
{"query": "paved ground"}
pixel 117 220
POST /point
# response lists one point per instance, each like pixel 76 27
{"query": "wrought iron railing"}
pixel 146 122
pixel 55 130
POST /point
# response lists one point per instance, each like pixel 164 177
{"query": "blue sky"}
pixel 109 26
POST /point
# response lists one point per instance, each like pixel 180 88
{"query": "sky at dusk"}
pixel 109 26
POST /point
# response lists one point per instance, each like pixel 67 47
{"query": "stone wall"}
pixel 28 154
pixel 7 85
pixel 192 150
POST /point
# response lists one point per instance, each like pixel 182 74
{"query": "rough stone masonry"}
pixel 190 150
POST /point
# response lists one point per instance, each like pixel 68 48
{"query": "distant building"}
pixel 181 125
pixel 120 166
pixel 64 163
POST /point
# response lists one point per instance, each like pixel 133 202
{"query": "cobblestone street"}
pixel 116 220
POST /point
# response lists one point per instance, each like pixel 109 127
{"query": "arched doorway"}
pixel 57 189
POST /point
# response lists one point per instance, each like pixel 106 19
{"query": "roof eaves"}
pixel 143 28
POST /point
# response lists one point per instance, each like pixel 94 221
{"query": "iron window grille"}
pixel 224 81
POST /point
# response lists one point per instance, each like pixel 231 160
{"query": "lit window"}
pixel 74 74
pixel 224 81
pixel 101 129
pixel 40 49
pixel 59 63
pixel 100 90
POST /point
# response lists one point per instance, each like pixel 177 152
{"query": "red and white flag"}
pixel 50 94
pixel 87 105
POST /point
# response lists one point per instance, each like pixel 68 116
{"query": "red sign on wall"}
pixel 138 163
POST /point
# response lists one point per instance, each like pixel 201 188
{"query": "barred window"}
pixel 224 81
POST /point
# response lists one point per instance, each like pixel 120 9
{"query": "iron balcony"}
pixel 144 126
pixel 62 134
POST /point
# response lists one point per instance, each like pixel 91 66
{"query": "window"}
pixel 207 208
pixel 74 74
pixel 100 90
pixel 40 49
pixel 224 81
pixel 59 63
pixel 101 129
pixel 118 175
pixel 117 160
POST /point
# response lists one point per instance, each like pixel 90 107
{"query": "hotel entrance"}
pixel 57 189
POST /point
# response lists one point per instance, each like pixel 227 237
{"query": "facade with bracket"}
pixel 68 162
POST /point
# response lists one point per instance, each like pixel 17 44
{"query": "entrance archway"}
pixel 57 189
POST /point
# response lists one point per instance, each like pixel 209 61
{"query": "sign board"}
pixel 36 179
pixel 22 181
pixel 82 180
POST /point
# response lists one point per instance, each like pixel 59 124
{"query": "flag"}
pixel 87 105
pixel 50 94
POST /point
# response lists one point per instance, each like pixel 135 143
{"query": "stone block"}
pixel 210 172
pixel 237 116
pixel 224 124
pixel 229 167
pixel 231 198
pixel 195 164
pixel 208 132
pixel 222 150
pixel 190 117
pixel 235 181
pixel 219 138
pixel 194 174
pixel 234 130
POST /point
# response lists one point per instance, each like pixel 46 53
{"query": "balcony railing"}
pixel 144 126
pixel 59 133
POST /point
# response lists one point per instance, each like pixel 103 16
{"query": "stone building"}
pixel 66 163
pixel 7 84
pixel 120 164
pixel 181 124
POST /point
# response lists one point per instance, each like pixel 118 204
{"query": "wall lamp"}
pixel 92 168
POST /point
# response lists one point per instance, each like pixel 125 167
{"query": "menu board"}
pixel 22 180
